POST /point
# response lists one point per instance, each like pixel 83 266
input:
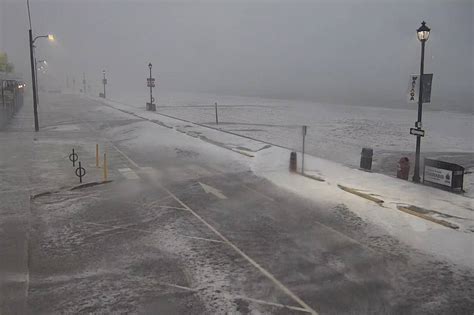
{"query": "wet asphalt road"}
pixel 158 243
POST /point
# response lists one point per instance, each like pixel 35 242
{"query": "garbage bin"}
pixel 293 162
pixel 366 159
pixel 403 168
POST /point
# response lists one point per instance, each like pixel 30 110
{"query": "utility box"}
pixel 443 175
pixel 293 162
pixel 366 159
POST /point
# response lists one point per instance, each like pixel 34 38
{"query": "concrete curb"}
pixel 429 218
pixel 361 194
pixel 319 179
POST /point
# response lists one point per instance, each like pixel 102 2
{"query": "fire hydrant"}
pixel 403 168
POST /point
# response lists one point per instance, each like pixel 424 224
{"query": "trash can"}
pixel 293 162
pixel 403 168
pixel 366 159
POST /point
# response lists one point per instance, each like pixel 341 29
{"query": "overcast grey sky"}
pixel 347 52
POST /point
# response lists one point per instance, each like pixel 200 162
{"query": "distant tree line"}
pixel 5 66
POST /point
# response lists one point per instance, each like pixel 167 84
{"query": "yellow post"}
pixel 105 167
pixel 97 155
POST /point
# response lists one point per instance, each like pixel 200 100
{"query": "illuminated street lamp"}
pixel 33 65
pixel 50 37
pixel 423 33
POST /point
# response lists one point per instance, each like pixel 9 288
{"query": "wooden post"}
pixel 97 155
pixel 217 119
pixel 105 167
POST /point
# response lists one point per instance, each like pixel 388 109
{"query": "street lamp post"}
pixel 33 73
pixel 423 32
pixel 151 84
pixel 104 81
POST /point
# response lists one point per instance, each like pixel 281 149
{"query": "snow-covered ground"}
pixel 335 132
pixel 272 163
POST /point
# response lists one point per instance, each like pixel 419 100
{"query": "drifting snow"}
pixel 272 163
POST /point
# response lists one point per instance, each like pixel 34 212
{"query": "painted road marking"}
pixel 202 238
pixel 124 155
pixel 125 228
pixel 128 173
pixel 211 190
pixel 258 193
pixel 280 285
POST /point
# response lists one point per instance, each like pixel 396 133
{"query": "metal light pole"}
pixel 104 81
pixel 151 84
pixel 33 81
pixel 33 65
pixel 422 33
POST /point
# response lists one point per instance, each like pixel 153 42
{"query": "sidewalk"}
pixel 397 214
pixel 32 163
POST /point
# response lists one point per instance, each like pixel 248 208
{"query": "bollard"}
pixel 293 162
pixel 366 159
pixel 97 155
pixel 73 158
pixel 105 167
pixel 80 172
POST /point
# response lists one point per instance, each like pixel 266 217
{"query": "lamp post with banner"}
pixel 423 32
pixel 151 84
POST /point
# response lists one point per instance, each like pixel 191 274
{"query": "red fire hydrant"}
pixel 403 169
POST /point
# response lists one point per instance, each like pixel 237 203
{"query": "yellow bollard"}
pixel 105 167
pixel 97 155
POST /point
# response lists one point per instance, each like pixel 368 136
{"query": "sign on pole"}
pixel 414 88
pixel 417 132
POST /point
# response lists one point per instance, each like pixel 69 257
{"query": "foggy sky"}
pixel 343 52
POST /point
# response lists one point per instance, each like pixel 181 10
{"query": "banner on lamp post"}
pixel 414 88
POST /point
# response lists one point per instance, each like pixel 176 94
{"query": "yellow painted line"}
pixel 124 155
pixel 280 285
pixel 429 218
pixel 319 179
pixel 361 194
pixel 242 152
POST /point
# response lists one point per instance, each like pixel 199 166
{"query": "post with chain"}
pixel 73 157
pixel 80 172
